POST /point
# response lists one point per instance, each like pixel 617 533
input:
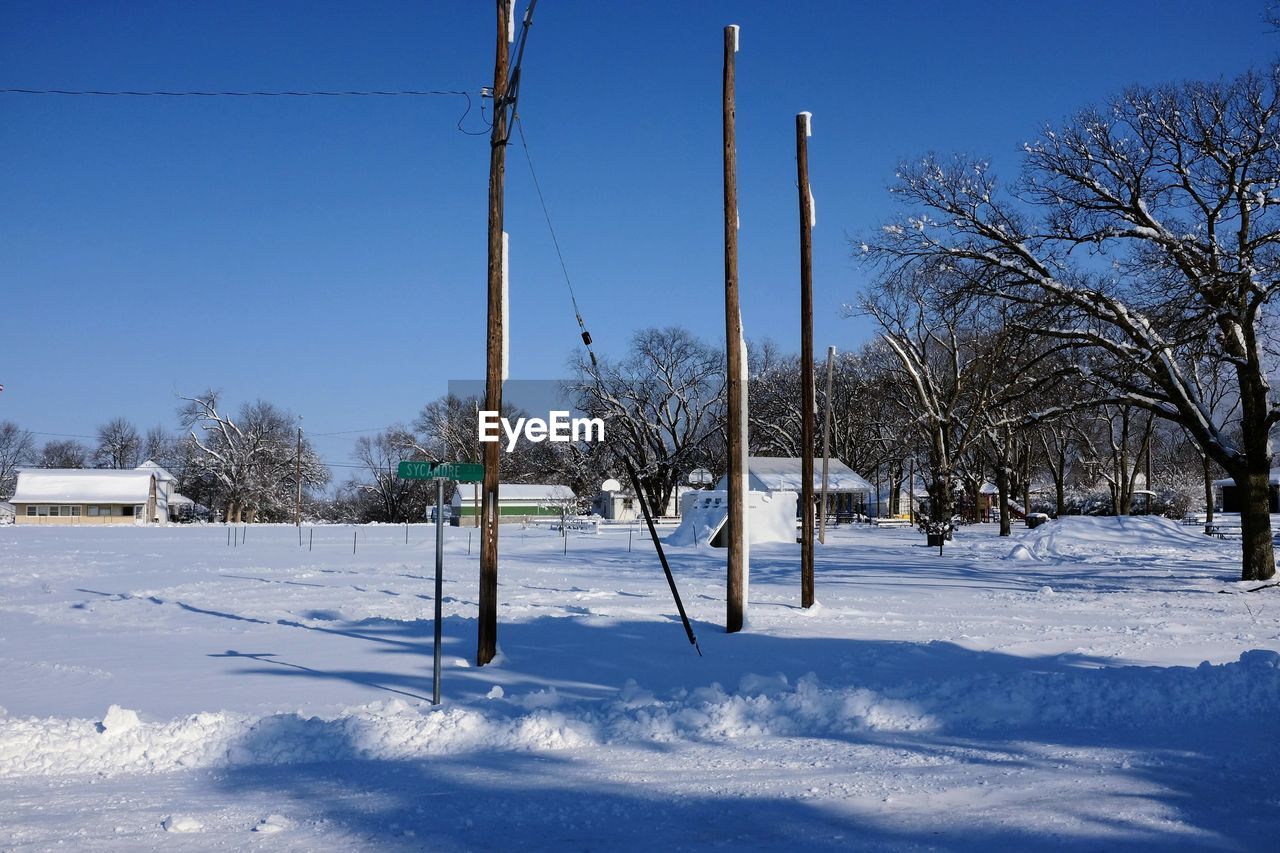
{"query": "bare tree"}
pixel 252 458
pixel 970 372
pixel 663 405
pixel 160 446
pixel 119 445
pixel 386 497
pixel 447 430
pixel 773 389
pixel 17 447
pixel 63 453
pixel 1177 187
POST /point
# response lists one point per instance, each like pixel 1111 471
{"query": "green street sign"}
pixel 463 472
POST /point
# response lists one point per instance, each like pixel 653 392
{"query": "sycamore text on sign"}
pixel 463 472
pixel 557 427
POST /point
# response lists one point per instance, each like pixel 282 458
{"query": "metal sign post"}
pixel 435 669
pixel 463 472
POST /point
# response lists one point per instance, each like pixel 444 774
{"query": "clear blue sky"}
pixel 329 255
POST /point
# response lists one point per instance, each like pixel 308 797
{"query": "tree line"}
pixel 1124 276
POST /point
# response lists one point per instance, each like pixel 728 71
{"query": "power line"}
pixel 158 93
pixel 524 143
pixel 264 93
pixel 351 431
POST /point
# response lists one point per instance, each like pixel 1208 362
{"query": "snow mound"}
pixel 272 824
pixel 181 823
pixel 118 721
pixel 1116 539
pixel 765 705
pixel 1021 552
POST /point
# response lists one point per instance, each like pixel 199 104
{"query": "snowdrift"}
pixel 1145 698
pixel 1114 539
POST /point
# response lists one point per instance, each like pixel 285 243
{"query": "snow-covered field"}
pixel 1083 686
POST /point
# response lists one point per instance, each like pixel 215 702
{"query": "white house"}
pixel 87 496
pixel 783 473
pixel 616 503
pixel 177 507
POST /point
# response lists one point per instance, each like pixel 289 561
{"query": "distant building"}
pixel 142 495
pixel 517 502
pixel 846 491
pixel 179 507
pixel 87 496
pixel 7 512
pixel 1230 498
pixel 617 503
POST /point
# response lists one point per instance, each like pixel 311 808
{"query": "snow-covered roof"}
pixel 519 492
pixel 176 499
pixel 82 485
pixel 162 474
pixel 1230 481
pixel 776 473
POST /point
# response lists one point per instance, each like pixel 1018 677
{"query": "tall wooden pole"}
pixel 911 493
pixel 826 447
pixel 487 641
pixel 807 402
pixel 733 349
pixel 297 504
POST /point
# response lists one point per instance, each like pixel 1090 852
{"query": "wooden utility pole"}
pixel 734 525
pixel 826 447
pixel 807 402
pixel 911 493
pixel 297 504
pixel 487 641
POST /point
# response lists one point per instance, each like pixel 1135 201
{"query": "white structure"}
pixel 177 507
pixel 7 512
pixel 845 489
pixel 517 502
pixel 783 473
pixel 771 517
pixel 87 496
pixel 616 503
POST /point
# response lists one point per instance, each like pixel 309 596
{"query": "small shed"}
pixel 616 502
pixel 1231 500
pixel 517 502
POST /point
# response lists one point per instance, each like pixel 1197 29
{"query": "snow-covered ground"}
pixel 1082 686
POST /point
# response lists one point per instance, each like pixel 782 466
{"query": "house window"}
pixel 66 512
pixel 31 509
pixel 42 510
pixel 128 510
pixel 626 503
pixel 75 512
